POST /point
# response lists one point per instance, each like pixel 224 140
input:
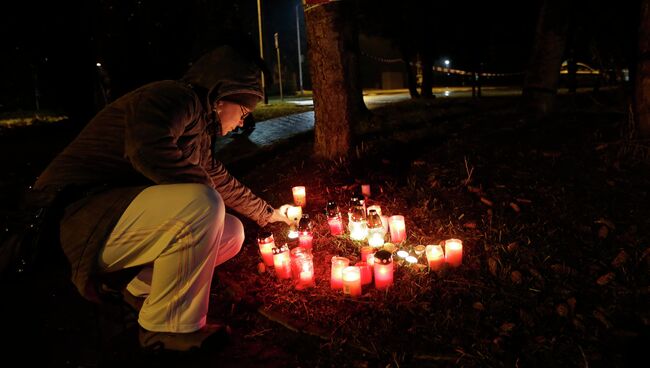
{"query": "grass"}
pixel 556 247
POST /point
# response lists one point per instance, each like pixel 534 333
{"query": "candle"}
pixel 384 223
pixel 383 267
pixel 299 196
pixel 282 262
pixel 402 253
pixel 358 230
pixel 334 219
pixel 366 272
pixel 419 250
pixel 411 259
pixel 365 190
pixel 397 229
pixel 454 252
pixel 375 229
pixel 305 239
pixel 366 252
pixel 336 225
pixel 304 232
pixel 435 256
pixel 302 267
pixel 336 277
pixel 351 281
pixel 375 207
pixel 266 243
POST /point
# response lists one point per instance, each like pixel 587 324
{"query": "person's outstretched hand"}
pixel 280 214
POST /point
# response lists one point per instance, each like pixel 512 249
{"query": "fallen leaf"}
pixel 507 327
pixel 563 270
pixel 515 276
pixel 524 201
pixel 470 225
pixel 515 207
pixel 418 163
pixel 473 189
pixel 572 303
pixel 562 310
pixel 620 259
pixel 605 279
pixel 486 201
pixel 603 232
pixel 492 266
pixel 261 267
pixel 512 247
pixel 552 154
pixel 478 306
pixel 606 222
pixel 602 318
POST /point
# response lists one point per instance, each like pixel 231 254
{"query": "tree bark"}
pixel 642 81
pixel 334 65
pixel 543 73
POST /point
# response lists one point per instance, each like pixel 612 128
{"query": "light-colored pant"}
pixel 180 232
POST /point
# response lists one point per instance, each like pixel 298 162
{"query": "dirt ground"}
pixel 553 214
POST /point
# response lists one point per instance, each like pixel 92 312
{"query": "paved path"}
pixel 266 134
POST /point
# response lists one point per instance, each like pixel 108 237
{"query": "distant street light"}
pixel 447 63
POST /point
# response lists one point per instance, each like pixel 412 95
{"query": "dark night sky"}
pixel 55 44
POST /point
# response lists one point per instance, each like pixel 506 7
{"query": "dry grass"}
pixel 555 268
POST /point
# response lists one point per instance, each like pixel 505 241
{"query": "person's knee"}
pixel 208 202
pixel 238 233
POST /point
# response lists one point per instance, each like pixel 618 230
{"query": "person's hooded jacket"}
pixel 157 134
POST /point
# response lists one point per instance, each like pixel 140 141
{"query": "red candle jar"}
pixel 334 219
pixel 383 269
pixel 282 262
pixel 351 281
pixel 366 272
pixel 266 243
pixel 454 252
pixel 435 256
pixel 336 277
pixel 305 235
pixel 299 196
pixel 365 252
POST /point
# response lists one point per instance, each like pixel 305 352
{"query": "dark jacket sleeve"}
pixel 238 197
pixel 154 122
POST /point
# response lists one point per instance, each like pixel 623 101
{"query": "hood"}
pixel 223 71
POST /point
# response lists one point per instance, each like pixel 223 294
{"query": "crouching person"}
pixel 154 197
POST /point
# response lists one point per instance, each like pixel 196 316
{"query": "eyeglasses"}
pixel 244 112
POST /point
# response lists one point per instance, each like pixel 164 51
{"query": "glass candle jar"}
pixel 336 277
pixel 282 262
pixel 266 243
pixel 383 269
pixel 302 267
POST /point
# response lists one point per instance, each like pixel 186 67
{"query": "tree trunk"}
pixel 642 81
pixel 543 73
pixel 334 65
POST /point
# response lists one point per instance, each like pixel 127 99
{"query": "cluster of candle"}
pixel 363 224
pixel 351 278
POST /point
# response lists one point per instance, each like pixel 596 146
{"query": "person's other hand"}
pixel 280 214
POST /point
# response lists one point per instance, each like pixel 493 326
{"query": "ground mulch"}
pixel 554 219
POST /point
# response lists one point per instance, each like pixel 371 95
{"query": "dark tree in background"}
pixel 642 83
pixel 333 52
pixel 51 49
pixel 543 73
